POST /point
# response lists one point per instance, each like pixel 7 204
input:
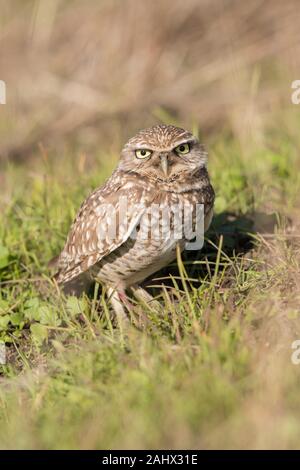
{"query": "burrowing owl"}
pixel 163 166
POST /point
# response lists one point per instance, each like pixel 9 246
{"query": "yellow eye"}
pixel 142 153
pixel 182 149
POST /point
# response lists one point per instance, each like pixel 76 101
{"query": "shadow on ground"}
pixel 238 233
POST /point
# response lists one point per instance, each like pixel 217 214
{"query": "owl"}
pixel 128 229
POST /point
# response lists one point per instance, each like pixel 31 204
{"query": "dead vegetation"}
pixel 107 68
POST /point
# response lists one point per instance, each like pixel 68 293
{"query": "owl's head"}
pixel 163 153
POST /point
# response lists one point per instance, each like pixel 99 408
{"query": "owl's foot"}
pixel 118 299
pixel 144 296
pixel 124 309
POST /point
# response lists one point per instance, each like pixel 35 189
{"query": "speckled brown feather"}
pixel 121 259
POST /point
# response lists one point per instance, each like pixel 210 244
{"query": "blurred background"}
pixel 88 72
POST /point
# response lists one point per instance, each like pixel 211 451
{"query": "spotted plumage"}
pixel 115 237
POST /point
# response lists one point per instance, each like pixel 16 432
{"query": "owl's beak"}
pixel 164 164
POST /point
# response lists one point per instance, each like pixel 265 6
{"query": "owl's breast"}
pixel 171 220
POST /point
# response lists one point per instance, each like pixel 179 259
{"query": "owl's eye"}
pixel 182 149
pixel 142 153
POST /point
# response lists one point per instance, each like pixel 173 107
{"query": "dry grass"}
pixel 110 67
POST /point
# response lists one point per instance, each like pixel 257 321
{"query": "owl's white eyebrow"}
pixel 185 141
pixel 164 149
pixel 142 147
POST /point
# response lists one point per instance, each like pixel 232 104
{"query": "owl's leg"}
pixel 117 302
pixel 144 296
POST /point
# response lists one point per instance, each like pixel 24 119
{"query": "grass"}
pixel 210 368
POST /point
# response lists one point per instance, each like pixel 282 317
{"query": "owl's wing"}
pixel 104 222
